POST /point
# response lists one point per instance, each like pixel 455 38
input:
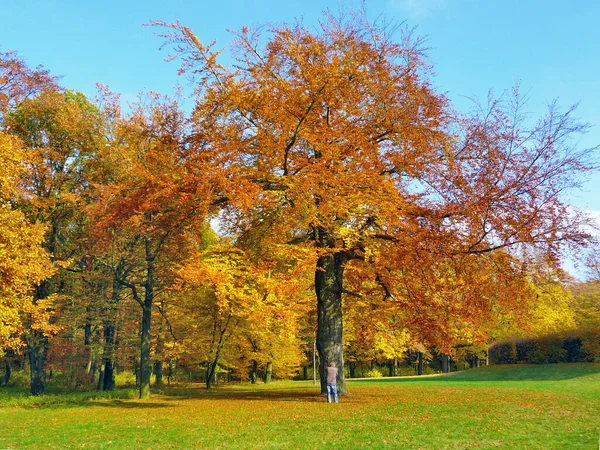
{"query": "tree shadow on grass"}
pixel 165 398
pixel 276 395
pixel 19 398
pixel 129 404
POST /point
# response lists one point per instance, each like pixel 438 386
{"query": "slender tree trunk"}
pixel 136 369
pixel 7 372
pixel 108 372
pixel 445 363
pixel 158 373
pixel 395 366
pixel 352 369
pixel 253 372
pixel 268 372
pixel 328 286
pixel 145 367
pixel 36 352
pixel 158 364
pixel 36 346
pixel 87 340
pixel 420 364
pixel 170 370
pixel 210 372
pixel 108 376
pixel 219 340
pixel 314 362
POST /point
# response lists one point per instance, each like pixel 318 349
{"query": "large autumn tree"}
pixel 341 145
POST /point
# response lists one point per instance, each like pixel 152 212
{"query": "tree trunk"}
pixel 7 372
pixel 254 372
pixel 36 347
pixel 170 371
pixel 211 372
pixel 268 372
pixel 420 364
pixel 136 369
pixel 395 366
pixel 351 369
pixel 92 364
pixel 328 286
pixel 145 367
pixel 445 363
pixel 158 364
pixel 158 373
pixel 108 372
pixel 108 376
pixel 36 351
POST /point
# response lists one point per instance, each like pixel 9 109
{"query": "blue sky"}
pixel 552 47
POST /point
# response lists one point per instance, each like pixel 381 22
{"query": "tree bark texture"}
pixel 268 372
pixel 36 352
pixel 445 363
pixel 145 368
pixel 328 286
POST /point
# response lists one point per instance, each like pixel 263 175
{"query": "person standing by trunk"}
pixel 332 373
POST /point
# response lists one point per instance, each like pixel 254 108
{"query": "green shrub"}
pixel 19 379
pixel 125 378
pixel 575 346
pixel 549 349
pixel 373 373
pixel 503 353
pixel 525 350
pixel 590 344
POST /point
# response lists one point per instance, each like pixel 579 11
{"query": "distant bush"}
pixel 373 373
pixel 19 379
pixel 404 371
pixel 503 353
pixel 575 346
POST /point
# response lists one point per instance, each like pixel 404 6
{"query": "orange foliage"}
pixel 341 146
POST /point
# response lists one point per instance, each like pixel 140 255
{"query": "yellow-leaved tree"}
pixel 23 261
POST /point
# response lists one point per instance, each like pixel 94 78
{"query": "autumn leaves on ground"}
pixel 508 407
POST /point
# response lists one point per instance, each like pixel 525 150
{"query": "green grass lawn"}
pixel 506 407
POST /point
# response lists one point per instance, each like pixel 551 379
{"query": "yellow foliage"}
pixel 23 262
